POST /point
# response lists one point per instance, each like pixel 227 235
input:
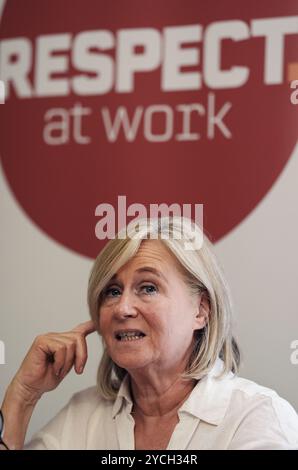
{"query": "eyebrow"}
pixel 148 269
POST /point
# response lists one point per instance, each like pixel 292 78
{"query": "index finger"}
pixel 85 328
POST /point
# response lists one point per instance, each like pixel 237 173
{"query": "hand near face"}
pixel 49 360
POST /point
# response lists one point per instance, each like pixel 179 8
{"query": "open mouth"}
pixel 129 335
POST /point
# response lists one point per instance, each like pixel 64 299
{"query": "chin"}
pixel 130 361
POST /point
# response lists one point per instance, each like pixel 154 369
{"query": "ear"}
pixel 203 311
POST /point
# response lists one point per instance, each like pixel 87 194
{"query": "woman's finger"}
pixel 85 328
pixel 77 341
pixel 81 353
pixel 69 358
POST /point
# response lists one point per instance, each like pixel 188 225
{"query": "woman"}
pixel 167 378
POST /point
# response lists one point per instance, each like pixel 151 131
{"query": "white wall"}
pixel 43 288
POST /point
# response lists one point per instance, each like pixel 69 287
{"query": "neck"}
pixel 155 396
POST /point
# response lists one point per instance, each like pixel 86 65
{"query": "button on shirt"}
pixel 220 413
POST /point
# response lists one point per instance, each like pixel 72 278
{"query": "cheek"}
pixel 103 320
pixel 158 325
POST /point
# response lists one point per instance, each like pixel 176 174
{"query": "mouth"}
pixel 129 335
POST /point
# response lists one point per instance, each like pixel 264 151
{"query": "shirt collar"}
pixel 123 396
pixel 208 400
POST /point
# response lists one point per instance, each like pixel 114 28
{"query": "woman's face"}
pixel 148 315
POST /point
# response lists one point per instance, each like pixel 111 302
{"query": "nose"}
pixel 124 307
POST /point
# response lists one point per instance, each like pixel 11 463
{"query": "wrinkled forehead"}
pixel 154 254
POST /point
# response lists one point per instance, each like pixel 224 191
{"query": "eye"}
pixel 149 289
pixel 112 292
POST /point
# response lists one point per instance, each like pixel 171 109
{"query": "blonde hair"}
pixel 202 274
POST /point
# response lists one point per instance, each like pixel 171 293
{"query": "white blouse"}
pixel 220 413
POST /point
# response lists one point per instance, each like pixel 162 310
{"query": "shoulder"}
pixel 232 390
pixel 79 413
pixel 244 414
pixel 86 402
pixel 252 392
pixel 261 415
pixel 88 397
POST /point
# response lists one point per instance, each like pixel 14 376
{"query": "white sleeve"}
pixel 50 436
pixel 272 425
pixel 69 428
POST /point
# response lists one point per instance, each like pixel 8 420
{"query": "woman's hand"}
pixel 49 360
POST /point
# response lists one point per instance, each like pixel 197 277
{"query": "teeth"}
pixel 130 336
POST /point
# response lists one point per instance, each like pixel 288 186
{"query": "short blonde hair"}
pixel 202 274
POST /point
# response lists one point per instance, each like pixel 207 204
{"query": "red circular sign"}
pixel 167 102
